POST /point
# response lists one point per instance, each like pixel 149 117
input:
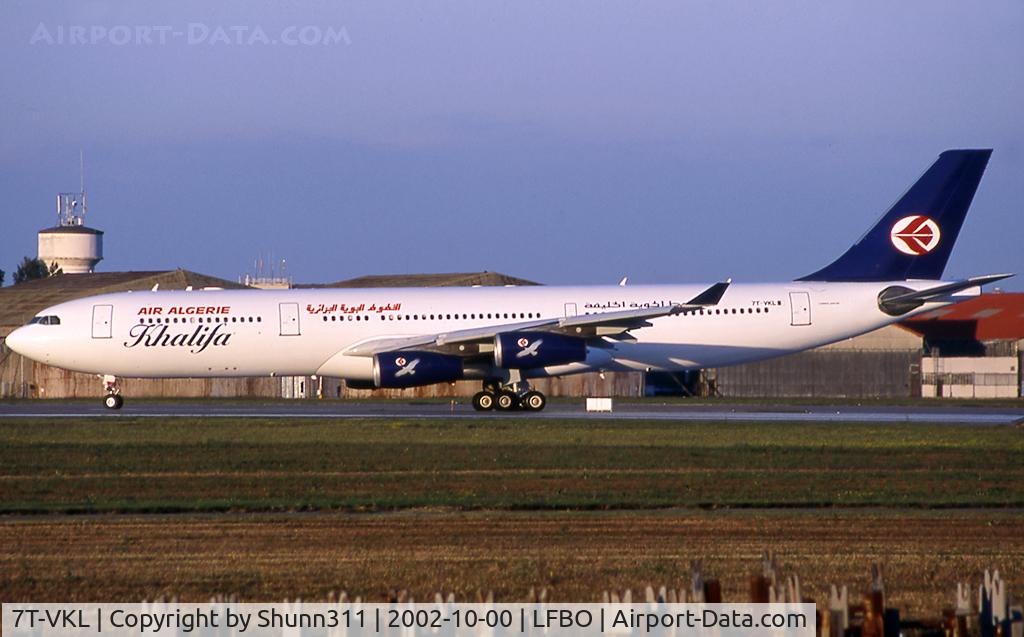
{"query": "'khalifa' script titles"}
pixel 157 336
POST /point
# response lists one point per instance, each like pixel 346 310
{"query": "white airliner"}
pixel 405 337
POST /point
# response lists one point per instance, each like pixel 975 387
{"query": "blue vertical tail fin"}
pixel 914 238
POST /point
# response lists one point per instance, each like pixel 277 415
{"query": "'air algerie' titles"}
pixel 187 311
pixel 156 336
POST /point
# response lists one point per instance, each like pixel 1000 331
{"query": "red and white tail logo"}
pixel 915 235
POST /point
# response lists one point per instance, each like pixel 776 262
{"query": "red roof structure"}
pixel 989 317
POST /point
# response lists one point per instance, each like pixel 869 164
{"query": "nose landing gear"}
pixel 508 398
pixel 113 399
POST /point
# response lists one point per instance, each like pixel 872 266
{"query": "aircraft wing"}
pixel 584 326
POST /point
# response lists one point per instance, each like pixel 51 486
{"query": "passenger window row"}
pixel 719 311
pixel 202 319
pixel 439 317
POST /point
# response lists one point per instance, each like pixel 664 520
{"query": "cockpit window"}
pixel 45 320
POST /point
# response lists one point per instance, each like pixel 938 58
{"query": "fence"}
pixel 824 373
pixel 989 613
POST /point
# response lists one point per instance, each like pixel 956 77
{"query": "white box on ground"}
pixel 599 404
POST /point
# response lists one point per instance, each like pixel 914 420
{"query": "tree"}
pixel 2 274
pixel 30 269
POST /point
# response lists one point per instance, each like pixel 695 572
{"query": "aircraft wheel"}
pixel 483 401
pixel 506 401
pixel 534 401
pixel 113 401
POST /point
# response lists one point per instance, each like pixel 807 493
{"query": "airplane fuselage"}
pixel 225 333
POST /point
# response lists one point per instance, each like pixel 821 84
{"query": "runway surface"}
pixel 652 410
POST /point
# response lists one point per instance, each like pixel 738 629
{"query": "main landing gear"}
pixel 508 398
pixel 113 399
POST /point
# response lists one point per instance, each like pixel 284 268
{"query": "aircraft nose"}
pixel 17 340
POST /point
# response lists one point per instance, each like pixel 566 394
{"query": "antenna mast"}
pixel 71 207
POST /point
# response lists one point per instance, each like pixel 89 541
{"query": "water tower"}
pixel 75 248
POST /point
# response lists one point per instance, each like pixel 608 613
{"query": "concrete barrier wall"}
pixel 20 377
pixel 618 385
pixel 818 373
pixel 823 373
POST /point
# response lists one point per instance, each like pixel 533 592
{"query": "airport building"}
pixel 973 349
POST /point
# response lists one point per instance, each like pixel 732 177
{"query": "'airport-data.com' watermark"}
pixel 192 34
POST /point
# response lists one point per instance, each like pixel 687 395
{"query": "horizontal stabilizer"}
pixel 897 300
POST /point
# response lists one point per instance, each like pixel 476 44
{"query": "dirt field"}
pixel 577 555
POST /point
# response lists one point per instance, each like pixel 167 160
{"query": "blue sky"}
pixel 564 142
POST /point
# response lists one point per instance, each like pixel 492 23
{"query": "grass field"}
pixel 275 509
pixel 179 465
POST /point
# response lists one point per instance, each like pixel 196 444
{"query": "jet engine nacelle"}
pixel 526 350
pixel 412 369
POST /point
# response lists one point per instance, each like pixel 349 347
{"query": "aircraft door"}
pixel 102 320
pixel 570 310
pixel 800 306
pixel 289 313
